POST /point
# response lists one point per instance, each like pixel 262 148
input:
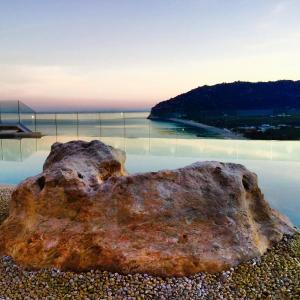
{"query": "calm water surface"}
pixel 277 163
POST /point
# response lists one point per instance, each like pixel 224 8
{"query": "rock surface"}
pixel 84 212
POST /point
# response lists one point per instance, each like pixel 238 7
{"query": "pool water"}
pixel 277 163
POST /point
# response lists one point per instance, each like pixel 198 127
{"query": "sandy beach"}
pixel 226 133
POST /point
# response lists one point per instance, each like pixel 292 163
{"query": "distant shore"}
pixel 226 133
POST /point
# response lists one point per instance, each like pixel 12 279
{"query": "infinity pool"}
pixel 276 163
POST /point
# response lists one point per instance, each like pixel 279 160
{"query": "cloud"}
pixel 274 14
pixel 72 85
pixel 142 86
pixel 279 7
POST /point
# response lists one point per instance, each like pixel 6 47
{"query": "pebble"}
pixel 5 194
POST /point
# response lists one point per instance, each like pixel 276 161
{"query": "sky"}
pixel 131 54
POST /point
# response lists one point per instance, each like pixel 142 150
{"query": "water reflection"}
pixel 277 163
pixel 129 125
pixel 19 150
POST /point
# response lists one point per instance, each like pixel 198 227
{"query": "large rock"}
pixel 85 212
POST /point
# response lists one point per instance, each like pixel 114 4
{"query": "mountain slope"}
pixel 281 95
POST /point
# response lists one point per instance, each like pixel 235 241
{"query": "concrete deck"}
pixel 15 131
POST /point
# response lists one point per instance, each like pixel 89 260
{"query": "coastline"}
pixel 226 133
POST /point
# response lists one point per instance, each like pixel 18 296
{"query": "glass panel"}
pixel 27 116
pixel 136 124
pixel 67 124
pixel 9 112
pixel 112 125
pixel 11 150
pixel 46 123
pixel 89 124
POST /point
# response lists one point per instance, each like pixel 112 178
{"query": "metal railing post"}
pixel 99 120
pixel 19 112
pixel 2 154
pixel 124 124
pixel 149 136
pixel 21 153
pixel 55 118
pixel 35 129
pixel 77 125
pixel 35 116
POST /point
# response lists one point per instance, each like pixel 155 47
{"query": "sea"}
pixel 155 145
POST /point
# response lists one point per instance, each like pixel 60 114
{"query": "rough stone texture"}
pixel 85 212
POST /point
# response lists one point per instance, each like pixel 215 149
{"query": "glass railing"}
pixel 9 112
pixel 27 116
pixel 230 124
pixel 16 112
pixel 120 124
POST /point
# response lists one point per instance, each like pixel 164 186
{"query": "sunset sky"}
pixel 131 54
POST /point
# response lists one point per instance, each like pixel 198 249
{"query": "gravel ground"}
pixel 276 275
pixel 5 193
